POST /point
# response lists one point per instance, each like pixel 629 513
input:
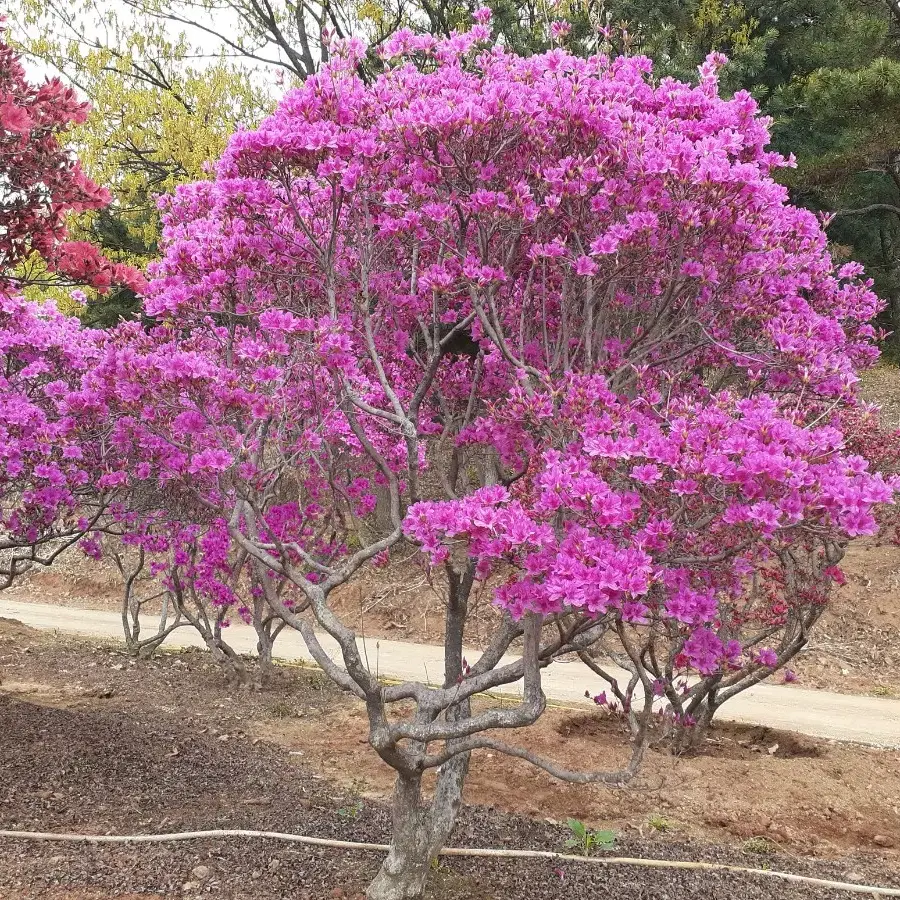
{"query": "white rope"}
pixel 449 851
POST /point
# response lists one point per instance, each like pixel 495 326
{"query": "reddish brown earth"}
pixel 855 648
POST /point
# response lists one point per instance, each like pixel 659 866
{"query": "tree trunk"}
pixel 236 673
pixel 232 665
pixel 135 645
pixel 403 873
pixel 419 832
pixel 265 659
pixel 688 738
pixel 264 646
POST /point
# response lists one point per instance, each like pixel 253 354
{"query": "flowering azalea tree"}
pixel 549 318
pixel 187 404
pixel 52 486
pixel 51 453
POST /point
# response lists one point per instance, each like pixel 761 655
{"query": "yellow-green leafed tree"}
pixel 162 112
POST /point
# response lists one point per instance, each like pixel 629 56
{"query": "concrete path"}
pixel 843 717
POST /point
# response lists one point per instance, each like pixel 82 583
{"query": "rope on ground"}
pixel 872 890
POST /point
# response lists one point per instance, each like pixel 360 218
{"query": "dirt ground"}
pixel 855 647
pixel 95 742
pixel 881 385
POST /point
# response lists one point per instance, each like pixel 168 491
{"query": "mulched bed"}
pixel 104 770
pixel 89 742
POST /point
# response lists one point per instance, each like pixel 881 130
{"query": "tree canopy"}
pixel 170 81
pixel 548 317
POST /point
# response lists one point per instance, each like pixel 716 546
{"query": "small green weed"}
pixel 760 845
pixel 351 811
pixel 660 823
pixel 587 841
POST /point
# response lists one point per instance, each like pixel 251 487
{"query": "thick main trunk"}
pixel 689 737
pixel 446 802
pixel 420 832
pixel 264 653
pixel 232 665
pixel 403 873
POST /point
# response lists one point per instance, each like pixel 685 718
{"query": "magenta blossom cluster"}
pixel 575 280
pixel 654 512
pixel 569 211
pixel 51 452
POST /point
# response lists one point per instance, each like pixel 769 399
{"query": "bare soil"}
pixel 881 385
pixel 97 743
pixel 855 648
